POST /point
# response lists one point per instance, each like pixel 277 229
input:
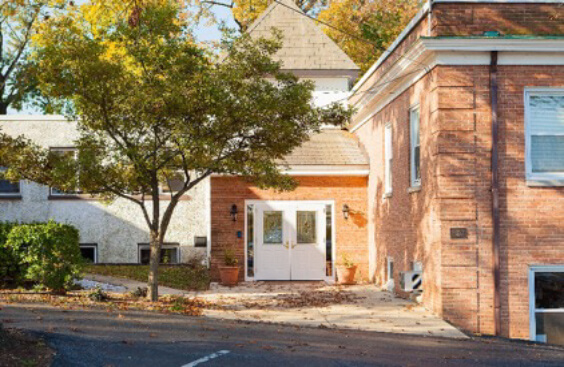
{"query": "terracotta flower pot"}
pixel 346 275
pixel 229 275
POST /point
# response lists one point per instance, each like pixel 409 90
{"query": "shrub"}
pixel 229 258
pixel 10 270
pixel 48 253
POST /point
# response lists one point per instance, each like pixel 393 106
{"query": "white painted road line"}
pixel 207 358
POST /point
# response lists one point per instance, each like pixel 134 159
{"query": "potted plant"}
pixel 346 270
pixel 229 272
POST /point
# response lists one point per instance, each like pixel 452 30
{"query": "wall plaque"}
pixel 458 233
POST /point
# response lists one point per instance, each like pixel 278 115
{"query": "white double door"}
pixel 290 238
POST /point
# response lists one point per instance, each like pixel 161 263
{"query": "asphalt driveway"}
pixel 101 338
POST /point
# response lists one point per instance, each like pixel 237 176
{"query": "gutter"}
pixel 495 193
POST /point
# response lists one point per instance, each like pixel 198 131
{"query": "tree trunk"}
pixel 153 283
pixel 3 108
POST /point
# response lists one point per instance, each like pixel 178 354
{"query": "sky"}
pixel 203 34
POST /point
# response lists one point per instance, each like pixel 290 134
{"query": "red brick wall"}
pixel 532 224
pixel 532 232
pixel 351 234
pixel 464 19
pixel 404 226
pixel 456 193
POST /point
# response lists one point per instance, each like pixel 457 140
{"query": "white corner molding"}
pixel 427 52
pixel 33 118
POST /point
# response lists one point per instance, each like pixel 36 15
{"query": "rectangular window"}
pixel 173 184
pixel 71 153
pixel 546 284
pixel 89 252
pixel 415 147
pixel 389 269
pixel 388 159
pixel 170 253
pixel 250 241
pixel 329 240
pixel 544 140
pixel 8 188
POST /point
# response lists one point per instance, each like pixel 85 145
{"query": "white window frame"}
pixel 389 269
pixel 538 179
pixel 165 246
pixel 388 159
pixel 414 182
pixel 91 245
pixel 53 190
pixel 11 194
pixel 532 309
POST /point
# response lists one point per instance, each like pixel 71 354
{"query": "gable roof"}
pixel 305 45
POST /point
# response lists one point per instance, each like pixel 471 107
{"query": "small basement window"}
pixel 7 187
pixel 89 252
pixel 170 253
pixel 546 286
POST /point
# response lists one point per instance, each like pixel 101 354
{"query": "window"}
pixel 250 241
pixel 329 240
pixel 546 284
pixel 544 141
pixel 89 252
pixel 8 188
pixel 170 253
pixel 389 269
pixel 415 147
pixel 72 153
pixel 174 183
pixel 388 159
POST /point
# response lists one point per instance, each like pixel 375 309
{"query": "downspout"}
pixel 495 193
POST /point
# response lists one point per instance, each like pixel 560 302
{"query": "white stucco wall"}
pixel 118 227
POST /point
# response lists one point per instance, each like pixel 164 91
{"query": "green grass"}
pixel 184 277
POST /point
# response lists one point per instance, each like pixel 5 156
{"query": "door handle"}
pixel 293 245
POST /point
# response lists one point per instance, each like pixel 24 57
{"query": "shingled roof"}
pixel 305 45
pixel 328 148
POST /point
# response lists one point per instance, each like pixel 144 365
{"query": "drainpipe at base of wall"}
pixel 495 193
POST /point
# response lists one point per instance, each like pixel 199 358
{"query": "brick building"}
pixel 463 122
pixel 299 235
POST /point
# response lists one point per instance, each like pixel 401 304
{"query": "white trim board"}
pixel 34 118
pixel 427 53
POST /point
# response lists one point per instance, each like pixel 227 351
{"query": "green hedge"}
pixel 47 254
pixel 186 277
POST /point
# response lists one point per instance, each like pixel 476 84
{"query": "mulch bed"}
pixel 18 349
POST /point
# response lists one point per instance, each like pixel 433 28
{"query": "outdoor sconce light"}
pixel 233 212
pixel 346 211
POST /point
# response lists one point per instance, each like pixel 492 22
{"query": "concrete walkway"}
pixel 314 304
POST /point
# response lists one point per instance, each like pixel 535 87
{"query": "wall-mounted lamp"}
pixel 346 211
pixel 234 212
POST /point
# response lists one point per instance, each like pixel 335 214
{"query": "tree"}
pixel 155 107
pixel 18 23
pixel 367 28
pixel 245 12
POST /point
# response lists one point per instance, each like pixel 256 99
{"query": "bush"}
pixel 10 270
pixel 47 253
